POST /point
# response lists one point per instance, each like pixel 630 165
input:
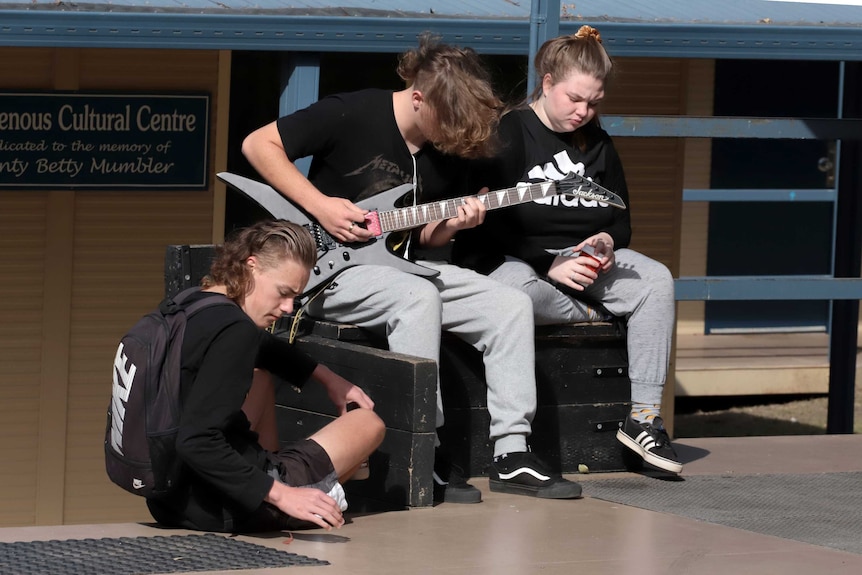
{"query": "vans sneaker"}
pixel 651 442
pixel 450 482
pixel 526 474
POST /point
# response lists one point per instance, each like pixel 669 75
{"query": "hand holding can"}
pixel 593 253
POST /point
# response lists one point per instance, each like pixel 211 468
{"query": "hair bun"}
pixel 587 32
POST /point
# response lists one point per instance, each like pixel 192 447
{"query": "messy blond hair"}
pixel 458 89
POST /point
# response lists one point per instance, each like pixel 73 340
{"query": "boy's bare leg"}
pixel 259 407
pixel 350 439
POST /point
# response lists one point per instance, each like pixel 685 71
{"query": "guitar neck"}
pixel 415 216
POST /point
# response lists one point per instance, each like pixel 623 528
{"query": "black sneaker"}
pixel 651 442
pixel 450 482
pixel 525 474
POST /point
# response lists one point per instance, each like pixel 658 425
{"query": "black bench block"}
pixel 400 469
pixel 185 266
pixel 403 389
pixel 583 394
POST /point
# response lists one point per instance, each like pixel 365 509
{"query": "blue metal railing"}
pixel 844 288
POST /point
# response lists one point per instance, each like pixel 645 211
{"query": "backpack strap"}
pixel 172 305
pixel 185 294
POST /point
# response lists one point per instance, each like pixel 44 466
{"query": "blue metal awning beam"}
pixel 758 195
pixel 755 288
pixel 235 30
pixel 729 127
pixel 254 32
pixel 762 42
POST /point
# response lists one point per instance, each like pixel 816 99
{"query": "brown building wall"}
pixel 78 269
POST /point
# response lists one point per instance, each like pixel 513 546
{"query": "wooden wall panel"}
pixel 26 68
pixel 142 70
pixel 22 258
pixel 104 251
pixel 120 241
pixel 23 221
pixel 653 166
pixel 119 245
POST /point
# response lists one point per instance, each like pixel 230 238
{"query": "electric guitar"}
pixel 334 257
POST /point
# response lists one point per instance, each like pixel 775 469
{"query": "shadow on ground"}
pixel 735 424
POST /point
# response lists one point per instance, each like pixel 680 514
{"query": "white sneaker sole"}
pixel 649 457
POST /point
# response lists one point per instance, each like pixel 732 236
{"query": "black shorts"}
pixel 303 463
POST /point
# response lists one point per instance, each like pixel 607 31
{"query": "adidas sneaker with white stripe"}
pixel 651 442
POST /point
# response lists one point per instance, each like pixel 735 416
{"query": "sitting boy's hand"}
pixel 339 390
pixel 470 214
pixel 307 504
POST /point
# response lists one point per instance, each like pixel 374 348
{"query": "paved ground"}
pixel 517 535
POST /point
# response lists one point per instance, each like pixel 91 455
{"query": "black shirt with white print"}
pixel 530 152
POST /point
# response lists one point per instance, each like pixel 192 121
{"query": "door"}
pixel 771 238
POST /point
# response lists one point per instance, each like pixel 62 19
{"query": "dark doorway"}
pixel 771 238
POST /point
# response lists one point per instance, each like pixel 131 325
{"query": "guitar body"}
pixel 332 257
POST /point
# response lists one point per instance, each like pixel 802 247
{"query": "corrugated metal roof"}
pixel 387 8
pixel 749 12
pixel 693 28
pixel 763 12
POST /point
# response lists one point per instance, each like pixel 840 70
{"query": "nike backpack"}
pixel 144 413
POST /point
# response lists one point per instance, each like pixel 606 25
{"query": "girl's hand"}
pixel 603 244
pixel 574 272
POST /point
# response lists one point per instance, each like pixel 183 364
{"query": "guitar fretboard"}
pixel 415 216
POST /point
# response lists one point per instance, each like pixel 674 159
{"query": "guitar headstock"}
pixel 579 186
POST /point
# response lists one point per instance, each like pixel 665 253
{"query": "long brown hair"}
pixel 271 241
pixel 580 52
pixel 458 89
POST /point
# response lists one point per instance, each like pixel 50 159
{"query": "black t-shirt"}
pixel 357 150
pixel 223 476
pixel 531 152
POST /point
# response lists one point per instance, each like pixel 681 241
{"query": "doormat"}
pixel 142 556
pixel 819 508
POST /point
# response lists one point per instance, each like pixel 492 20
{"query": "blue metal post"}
pixel 848 255
pixel 544 25
pixel 300 87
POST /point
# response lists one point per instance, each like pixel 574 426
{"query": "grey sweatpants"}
pixel 411 311
pixel 637 288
